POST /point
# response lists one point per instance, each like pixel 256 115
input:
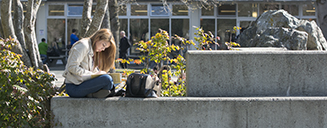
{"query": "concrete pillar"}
pixel 41 23
pixel 194 21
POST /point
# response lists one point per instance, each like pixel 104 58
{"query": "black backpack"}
pixel 142 85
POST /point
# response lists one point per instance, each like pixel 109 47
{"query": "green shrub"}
pixel 158 49
pixel 25 91
pixel 204 39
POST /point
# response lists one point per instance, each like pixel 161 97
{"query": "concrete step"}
pixel 270 72
pixel 190 112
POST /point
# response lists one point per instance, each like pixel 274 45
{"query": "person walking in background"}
pixel 43 48
pixel 123 46
pixel 87 65
pixel 73 37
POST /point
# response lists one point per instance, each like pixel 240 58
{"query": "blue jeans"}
pixel 90 86
pixel 44 60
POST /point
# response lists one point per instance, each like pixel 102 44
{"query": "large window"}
pixel 157 24
pixel 56 33
pixel 265 7
pixel 56 10
pixel 159 10
pixel 291 9
pixel 72 24
pixel 180 10
pixel 208 25
pixel 75 10
pixel 225 29
pixel 139 30
pixel 207 10
pixel 309 10
pixel 139 10
pixel 227 10
pixel 123 26
pixel 122 10
pixel 247 10
pixel 179 27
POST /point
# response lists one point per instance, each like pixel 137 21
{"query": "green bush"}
pixel 158 49
pixel 25 91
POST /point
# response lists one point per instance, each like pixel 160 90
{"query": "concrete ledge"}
pixel 258 49
pixel 256 73
pixel 190 112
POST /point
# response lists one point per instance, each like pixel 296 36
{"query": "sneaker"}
pixel 112 92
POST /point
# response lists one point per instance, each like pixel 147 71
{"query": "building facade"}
pixel 141 20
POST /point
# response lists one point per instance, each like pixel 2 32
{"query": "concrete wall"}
pixel 41 23
pixel 241 72
pixel 190 112
pixel 256 73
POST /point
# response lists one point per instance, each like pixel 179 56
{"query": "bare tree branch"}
pixel 114 22
pixel 6 20
pixel 98 17
pixel 18 22
pixel 30 36
pixel 86 18
pixel 1 29
pixel 106 19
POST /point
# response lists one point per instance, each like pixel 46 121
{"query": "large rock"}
pixel 277 28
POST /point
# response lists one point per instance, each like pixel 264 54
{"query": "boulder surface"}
pixel 277 28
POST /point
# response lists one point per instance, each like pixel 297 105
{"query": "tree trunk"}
pixel 6 19
pixel 1 30
pixel 106 19
pixel 18 22
pixel 18 27
pixel 86 18
pixel 8 30
pixel 29 29
pixel 114 22
pixel 322 16
pixel 100 9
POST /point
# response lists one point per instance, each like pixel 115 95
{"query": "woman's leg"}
pixel 90 86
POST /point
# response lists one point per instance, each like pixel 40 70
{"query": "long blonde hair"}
pixel 104 60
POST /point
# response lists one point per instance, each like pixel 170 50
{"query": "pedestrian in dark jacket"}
pixel 123 47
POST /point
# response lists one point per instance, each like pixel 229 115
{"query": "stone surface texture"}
pixel 190 112
pixel 277 28
pixel 244 73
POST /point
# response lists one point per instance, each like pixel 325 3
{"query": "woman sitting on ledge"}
pixel 88 62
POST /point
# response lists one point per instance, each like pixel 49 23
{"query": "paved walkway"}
pixel 58 69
